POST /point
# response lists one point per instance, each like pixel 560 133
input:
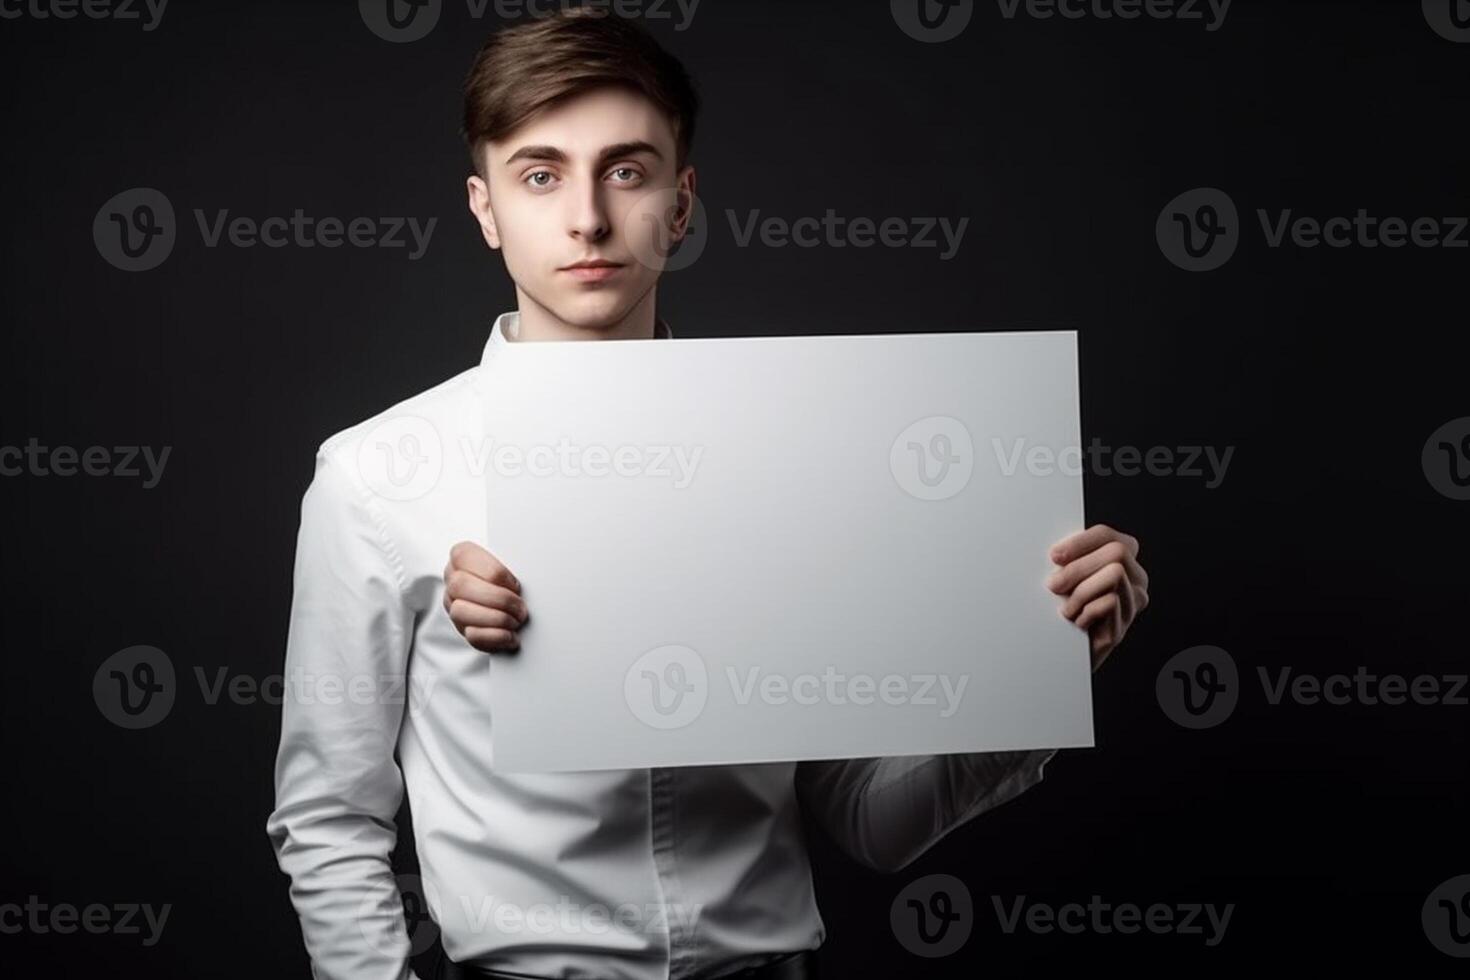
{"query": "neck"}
pixel 539 323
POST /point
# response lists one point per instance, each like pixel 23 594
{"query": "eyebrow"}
pixel 555 155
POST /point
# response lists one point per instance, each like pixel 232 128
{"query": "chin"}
pixel 595 310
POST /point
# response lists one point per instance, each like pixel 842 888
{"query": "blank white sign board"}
pixel 782 548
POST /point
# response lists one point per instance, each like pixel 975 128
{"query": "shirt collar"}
pixel 506 330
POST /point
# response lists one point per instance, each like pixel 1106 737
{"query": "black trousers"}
pixel 799 965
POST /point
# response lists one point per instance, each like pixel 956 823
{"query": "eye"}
pixel 531 178
pixel 630 174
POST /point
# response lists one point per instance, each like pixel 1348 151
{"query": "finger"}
pixel 491 640
pixel 1104 639
pixel 470 557
pixel 446 599
pixel 1091 541
pixel 1097 609
pixel 1097 643
pixel 1101 599
pixel 1065 579
pixel 1109 579
pixel 1127 605
pixel 463 585
pixel 1076 545
pixel 465 614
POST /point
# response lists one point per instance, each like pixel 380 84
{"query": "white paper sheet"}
pixel 785 548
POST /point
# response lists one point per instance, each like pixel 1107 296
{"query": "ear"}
pixel 684 204
pixel 479 201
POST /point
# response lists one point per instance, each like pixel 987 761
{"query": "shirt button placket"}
pixel 662 790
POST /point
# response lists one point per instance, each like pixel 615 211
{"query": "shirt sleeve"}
pixel 886 812
pixel 337 785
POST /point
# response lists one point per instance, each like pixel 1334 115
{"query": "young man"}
pixel 580 129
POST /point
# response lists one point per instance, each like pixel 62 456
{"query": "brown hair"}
pixel 523 69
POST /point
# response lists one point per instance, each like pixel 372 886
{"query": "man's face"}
pixel 589 180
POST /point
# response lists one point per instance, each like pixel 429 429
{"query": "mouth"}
pixel 596 270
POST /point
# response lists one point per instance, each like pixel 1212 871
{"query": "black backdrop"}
pixel 1329 546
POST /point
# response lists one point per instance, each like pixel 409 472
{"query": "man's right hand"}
pixel 483 599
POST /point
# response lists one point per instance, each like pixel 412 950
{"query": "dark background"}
pixel 1325 548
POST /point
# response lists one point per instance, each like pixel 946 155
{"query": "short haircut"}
pixel 523 69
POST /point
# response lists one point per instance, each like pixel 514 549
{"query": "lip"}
pixel 594 271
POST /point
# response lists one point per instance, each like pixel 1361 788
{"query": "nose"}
pixel 588 220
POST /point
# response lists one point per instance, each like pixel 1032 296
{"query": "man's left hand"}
pixel 1104 585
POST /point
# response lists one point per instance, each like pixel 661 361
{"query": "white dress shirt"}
pixel 637 874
